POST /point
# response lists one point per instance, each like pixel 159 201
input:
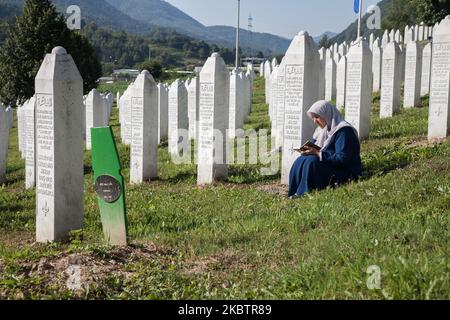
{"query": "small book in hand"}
pixel 308 145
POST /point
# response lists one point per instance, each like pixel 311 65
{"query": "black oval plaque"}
pixel 108 188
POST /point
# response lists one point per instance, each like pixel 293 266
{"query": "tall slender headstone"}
pixel 390 87
pixel 163 112
pixel 409 35
pixel 4 143
pixel 144 129
pixel 413 75
pixel 426 70
pixel 385 39
pixel 377 58
pixel 214 104
pixel 341 78
pixel 321 82
pixel 125 111
pixel 193 106
pixel 397 36
pixel 330 77
pixel 267 73
pixel 94 114
pixel 59 147
pixel 280 101
pixel 236 103
pixel 439 113
pixel 421 35
pixel 178 117
pixel 10 116
pixel 30 156
pixel 301 65
pixel 358 99
pixel 274 99
pixel 21 130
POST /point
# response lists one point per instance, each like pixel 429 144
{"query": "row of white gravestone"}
pixel 214 114
pixel 97 109
pixel 6 122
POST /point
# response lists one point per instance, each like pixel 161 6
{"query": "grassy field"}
pixel 243 239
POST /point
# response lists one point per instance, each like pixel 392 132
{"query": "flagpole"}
pixel 237 33
pixel 359 18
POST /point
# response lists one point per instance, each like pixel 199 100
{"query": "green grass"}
pixel 242 239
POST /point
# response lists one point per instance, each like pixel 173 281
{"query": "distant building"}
pixel 125 74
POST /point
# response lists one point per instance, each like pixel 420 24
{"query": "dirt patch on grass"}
pixel 77 272
pixel 17 239
pixel 223 262
pixel 424 143
pixel 276 189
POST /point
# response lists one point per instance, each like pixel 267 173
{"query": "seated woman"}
pixel 337 162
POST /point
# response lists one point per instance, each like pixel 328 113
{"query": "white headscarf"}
pixel 334 122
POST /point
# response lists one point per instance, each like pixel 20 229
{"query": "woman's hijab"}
pixel 334 120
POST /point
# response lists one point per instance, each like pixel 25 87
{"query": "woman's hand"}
pixel 310 152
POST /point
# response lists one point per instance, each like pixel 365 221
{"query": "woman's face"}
pixel 318 120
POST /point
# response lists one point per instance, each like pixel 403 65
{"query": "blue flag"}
pixel 356 6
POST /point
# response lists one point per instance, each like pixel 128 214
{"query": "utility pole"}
pixel 237 33
pixel 359 18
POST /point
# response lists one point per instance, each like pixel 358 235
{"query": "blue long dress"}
pixel 340 163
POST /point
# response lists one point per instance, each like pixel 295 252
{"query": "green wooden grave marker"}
pixel 109 185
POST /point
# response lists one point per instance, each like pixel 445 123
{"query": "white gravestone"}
pixel 321 82
pixel 385 39
pixel 125 109
pixel 410 36
pixel 267 72
pixel 426 70
pixel 390 87
pixel 10 116
pixel 249 83
pixel 281 86
pixel 439 113
pixel 301 76
pixel 21 130
pixel 377 58
pixel 214 104
pixel 236 103
pixel 341 78
pixel 144 129
pixel 421 35
pixel 178 117
pixel 358 98
pixel 94 114
pixel 30 162
pixel 59 147
pixel 193 106
pixel 330 76
pixel 245 88
pixel 4 143
pixel 413 75
pixel 273 102
pixel 163 112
